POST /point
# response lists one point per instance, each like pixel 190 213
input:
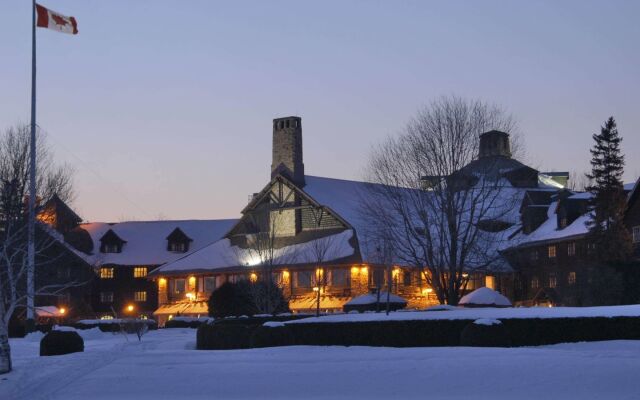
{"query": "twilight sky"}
pixel 164 107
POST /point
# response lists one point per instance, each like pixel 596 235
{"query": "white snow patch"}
pixel 273 324
pixel 487 321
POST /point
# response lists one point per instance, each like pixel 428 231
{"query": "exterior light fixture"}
pixel 130 308
pixel 62 310
pixel 191 296
pixel 316 289
pixel 253 277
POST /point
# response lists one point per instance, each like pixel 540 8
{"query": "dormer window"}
pixel 110 242
pixel 178 241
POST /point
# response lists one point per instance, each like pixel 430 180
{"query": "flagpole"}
pixel 31 254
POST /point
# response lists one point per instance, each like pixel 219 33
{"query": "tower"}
pixel 287 149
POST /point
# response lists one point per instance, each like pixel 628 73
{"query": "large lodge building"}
pixel 311 233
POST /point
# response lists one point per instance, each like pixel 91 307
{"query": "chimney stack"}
pixel 494 143
pixel 287 149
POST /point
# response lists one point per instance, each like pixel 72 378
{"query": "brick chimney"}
pixel 494 143
pixel 287 149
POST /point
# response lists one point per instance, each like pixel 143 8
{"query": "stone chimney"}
pixel 287 149
pixel 494 143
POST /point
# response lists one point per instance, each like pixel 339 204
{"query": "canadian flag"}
pixel 56 21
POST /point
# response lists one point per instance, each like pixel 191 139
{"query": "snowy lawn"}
pixel 166 366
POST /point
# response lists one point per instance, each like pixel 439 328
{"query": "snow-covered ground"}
pixel 166 366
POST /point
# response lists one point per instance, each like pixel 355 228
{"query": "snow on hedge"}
pixel 487 321
pixel 485 296
pixel 478 313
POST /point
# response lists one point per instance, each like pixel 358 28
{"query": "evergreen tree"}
pixel 608 203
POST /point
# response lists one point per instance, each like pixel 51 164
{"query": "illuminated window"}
pixel 106 297
pixel 178 247
pixel 107 317
pixel 571 249
pixel 490 282
pixel 552 251
pixel 535 283
pixel 552 281
pixel 209 284
pixel 139 272
pixel 140 296
pixel 636 234
pixel 106 273
pixel 571 279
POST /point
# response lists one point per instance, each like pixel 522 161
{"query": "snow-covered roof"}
pixel 222 254
pixel 146 241
pixel 485 296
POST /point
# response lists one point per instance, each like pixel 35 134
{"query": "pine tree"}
pixel 608 203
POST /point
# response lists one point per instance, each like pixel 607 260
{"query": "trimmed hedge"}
pixel 57 343
pixel 478 335
pixel 172 323
pixel 114 326
pixel 223 337
pixel 240 333
pixel 264 336
pixel 428 333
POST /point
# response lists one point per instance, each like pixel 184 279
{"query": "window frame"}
pixel 552 251
pixel 635 234
pixel 571 249
pixel 106 299
pixel 140 296
pixel 136 271
pixel 107 272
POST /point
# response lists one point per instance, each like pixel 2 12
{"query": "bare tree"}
pixel 14 183
pixel 436 214
pixel 322 250
pixel 266 248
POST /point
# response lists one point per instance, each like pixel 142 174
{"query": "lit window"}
pixel 636 234
pixel 179 285
pixel 209 284
pixel 107 317
pixel 139 272
pixel 552 281
pixel 552 251
pixel 106 273
pixel 140 296
pixel 535 283
pixel 111 248
pixel 178 247
pixel 571 279
pixel 490 282
pixel 571 249
pixel 106 297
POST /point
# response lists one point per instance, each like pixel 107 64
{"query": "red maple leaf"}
pixel 59 20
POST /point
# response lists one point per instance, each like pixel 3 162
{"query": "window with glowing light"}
pixel 140 272
pixel 140 296
pixel 571 278
pixel 551 250
pixel 106 273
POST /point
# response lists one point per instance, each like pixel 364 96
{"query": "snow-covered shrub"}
pixel 268 336
pixel 61 342
pixel 222 337
pixel 485 333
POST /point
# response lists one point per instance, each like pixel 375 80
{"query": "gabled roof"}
pixel 111 237
pixel 177 235
pixel 146 241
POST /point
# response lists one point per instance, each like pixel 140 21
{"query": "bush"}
pixel 265 336
pixel 222 337
pixel 173 323
pixel 61 342
pixel 232 299
pixel 482 335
